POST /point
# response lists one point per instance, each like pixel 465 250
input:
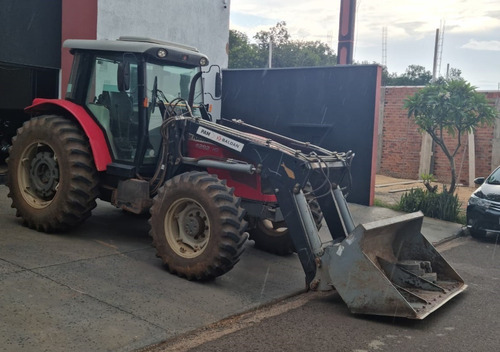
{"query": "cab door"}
pixel 115 105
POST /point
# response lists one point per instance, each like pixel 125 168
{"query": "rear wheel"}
pixel 197 226
pixel 274 237
pixel 52 177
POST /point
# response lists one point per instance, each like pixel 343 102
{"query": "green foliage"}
pixel 449 106
pixel 453 106
pixel 286 52
pixel 427 179
pixel 278 35
pixel 242 54
pixel 454 73
pixel 303 54
pixel 415 75
pixel 443 205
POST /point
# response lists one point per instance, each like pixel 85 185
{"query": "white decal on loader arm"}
pixel 219 138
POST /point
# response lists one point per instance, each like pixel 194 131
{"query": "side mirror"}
pixel 479 180
pixel 123 76
pixel 218 85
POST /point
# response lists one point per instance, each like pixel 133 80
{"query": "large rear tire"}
pixel 51 174
pixel 274 237
pixel 197 226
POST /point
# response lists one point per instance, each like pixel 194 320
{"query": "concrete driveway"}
pixel 101 287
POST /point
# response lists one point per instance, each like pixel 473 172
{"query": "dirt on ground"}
pixel 389 190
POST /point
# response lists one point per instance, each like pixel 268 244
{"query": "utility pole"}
pixel 270 59
pixel 440 46
pixel 434 66
pixel 427 145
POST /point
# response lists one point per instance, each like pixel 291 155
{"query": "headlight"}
pixel 483 203
pixel 203 61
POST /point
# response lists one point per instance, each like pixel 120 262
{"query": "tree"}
pixel 242 54
pixel 449 106
pixel 286 52
pixel 454 73
pixel 303 54
pixel 278 35
pixel 415 75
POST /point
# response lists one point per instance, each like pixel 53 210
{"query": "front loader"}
pixel 133 130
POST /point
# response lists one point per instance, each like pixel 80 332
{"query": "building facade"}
pixel 33 63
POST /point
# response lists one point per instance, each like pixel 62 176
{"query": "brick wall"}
pixel 400 137
pixel 401 143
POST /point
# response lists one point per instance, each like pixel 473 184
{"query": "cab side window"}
pixel 116 111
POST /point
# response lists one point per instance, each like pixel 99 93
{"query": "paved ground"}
pixel 100 287
pixel 321 322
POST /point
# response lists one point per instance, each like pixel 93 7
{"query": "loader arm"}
pixel 286 169
pixel 383 268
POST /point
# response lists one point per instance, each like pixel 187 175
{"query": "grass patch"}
pixel 443 205
pixel 462 218
pixel 382 204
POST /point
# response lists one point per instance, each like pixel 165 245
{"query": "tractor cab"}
pixel 130 86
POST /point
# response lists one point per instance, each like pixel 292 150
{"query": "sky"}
pixel 470 31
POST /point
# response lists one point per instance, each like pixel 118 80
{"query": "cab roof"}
pixel 140 45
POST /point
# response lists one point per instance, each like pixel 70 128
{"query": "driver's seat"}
pixel 123 121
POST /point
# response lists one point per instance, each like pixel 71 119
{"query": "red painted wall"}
pixel 79 21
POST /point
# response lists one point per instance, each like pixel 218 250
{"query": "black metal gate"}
pixel 333 107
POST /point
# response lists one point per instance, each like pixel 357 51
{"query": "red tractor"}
pixel 134 131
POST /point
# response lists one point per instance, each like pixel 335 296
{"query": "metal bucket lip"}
pixel 418 215
pixel 426 312
pixel 412 313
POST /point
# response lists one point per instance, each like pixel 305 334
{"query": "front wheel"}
pixel 197 226
pixel 51 177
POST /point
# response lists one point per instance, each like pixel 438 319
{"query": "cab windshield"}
pixel 167 89
pixel 172 84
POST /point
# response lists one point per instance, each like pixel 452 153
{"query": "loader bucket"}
pixel 387 267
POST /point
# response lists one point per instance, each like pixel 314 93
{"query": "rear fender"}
pixel 94 133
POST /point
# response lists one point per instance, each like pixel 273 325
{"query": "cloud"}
pixel 488 45
pixel 411 27
pixel 408 19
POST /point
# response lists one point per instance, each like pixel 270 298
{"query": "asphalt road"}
pixel 101 288
pixel 321 322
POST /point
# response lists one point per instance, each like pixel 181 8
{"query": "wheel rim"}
pixel 187 228
pixel 273 228
pixel 38 174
